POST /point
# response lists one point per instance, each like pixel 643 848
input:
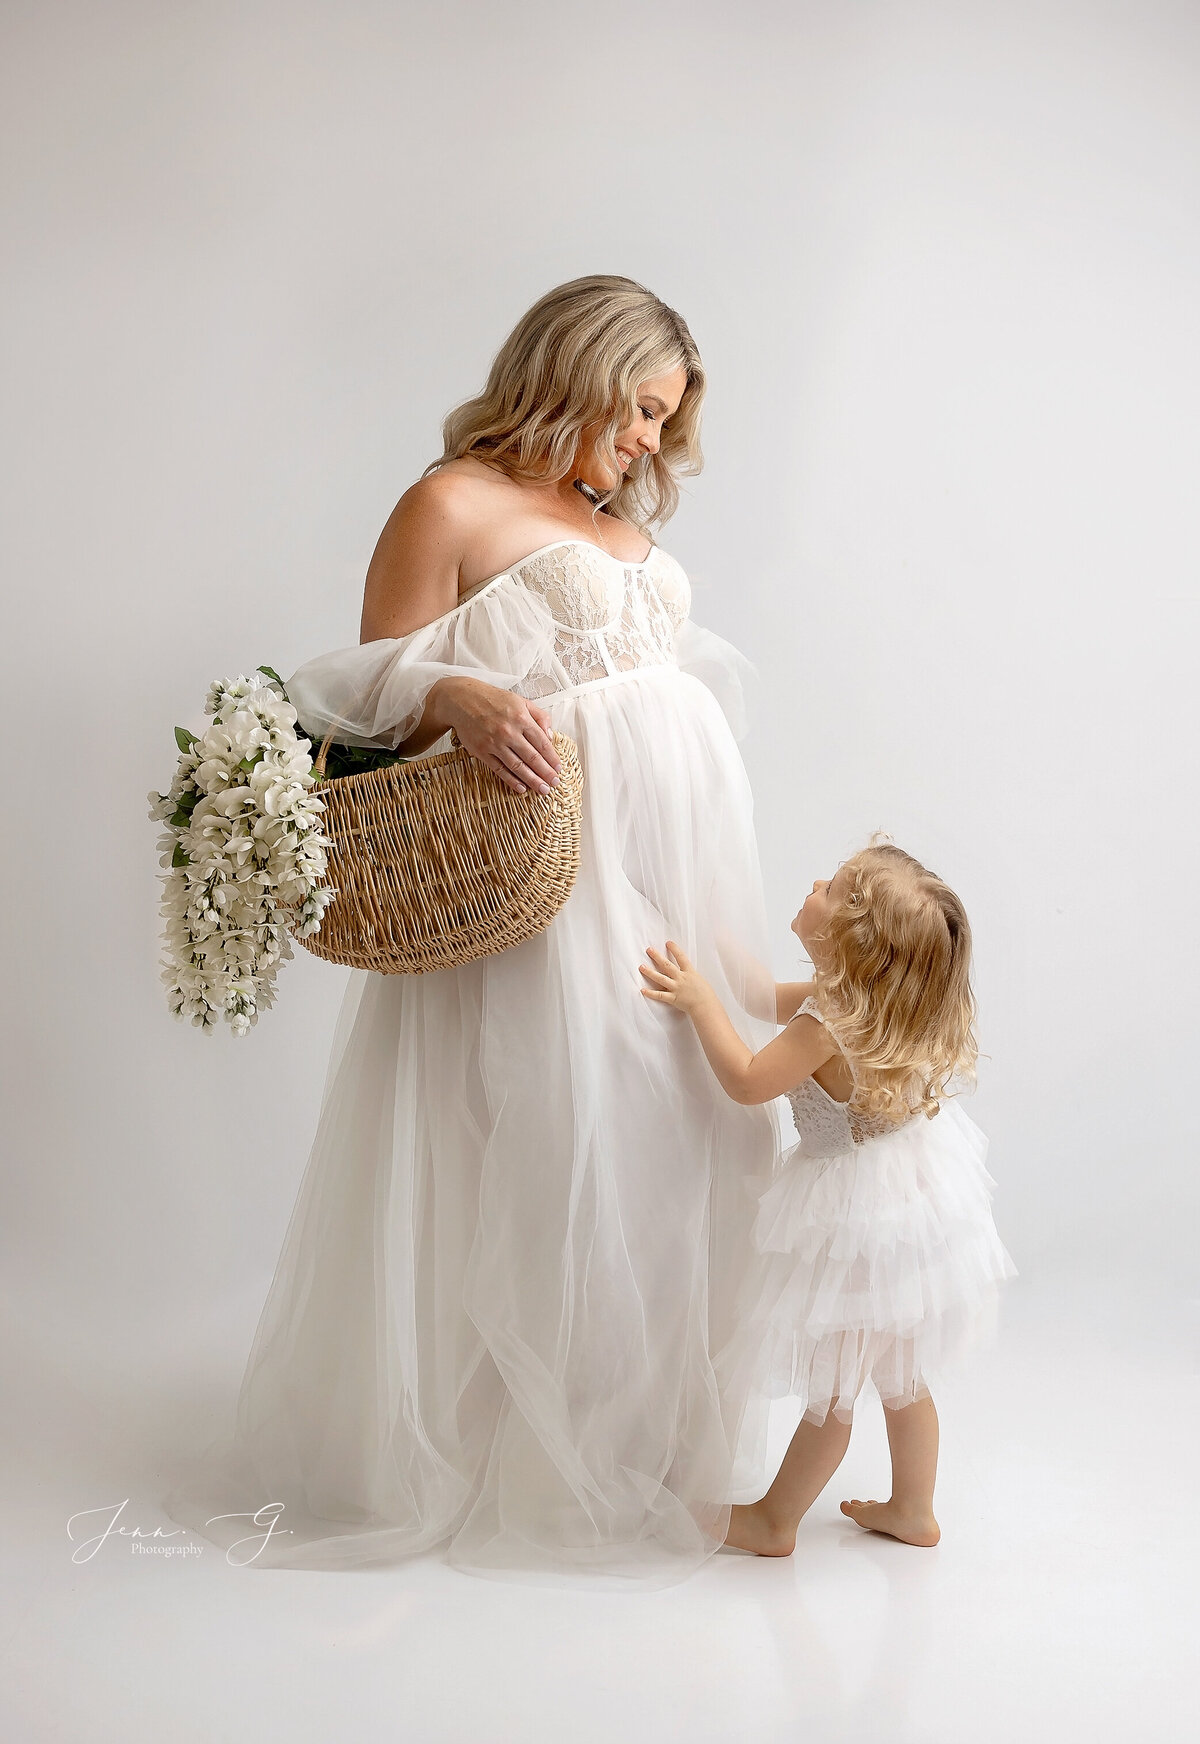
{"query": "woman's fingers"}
pixel 512 736
pixel 541 736
pixel 536 750
pixel 520 762
pixel 514 770
pixel 505 774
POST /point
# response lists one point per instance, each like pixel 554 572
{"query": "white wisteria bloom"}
pixel 242 852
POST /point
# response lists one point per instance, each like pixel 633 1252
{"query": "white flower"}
pixel 243 856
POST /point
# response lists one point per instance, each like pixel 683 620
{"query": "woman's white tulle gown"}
pixel 527 1210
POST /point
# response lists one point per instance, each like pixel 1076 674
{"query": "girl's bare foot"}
pixel 887 1517
pixel 750 1529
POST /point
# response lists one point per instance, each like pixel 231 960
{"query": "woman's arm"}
pixel 748 1078
pixel 413 578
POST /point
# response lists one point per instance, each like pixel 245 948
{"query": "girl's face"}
pixel 657 400
pixel 809 924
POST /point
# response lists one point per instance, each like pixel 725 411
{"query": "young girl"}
pixel 878 1256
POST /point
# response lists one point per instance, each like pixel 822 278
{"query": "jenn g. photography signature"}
pixel 156 1542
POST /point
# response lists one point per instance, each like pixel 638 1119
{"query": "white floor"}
pixel 1059 1606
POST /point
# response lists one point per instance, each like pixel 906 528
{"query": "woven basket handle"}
pixel 319 759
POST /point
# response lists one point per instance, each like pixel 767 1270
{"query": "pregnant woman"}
pixel 527 1207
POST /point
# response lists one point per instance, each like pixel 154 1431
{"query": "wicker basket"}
pixel 437 863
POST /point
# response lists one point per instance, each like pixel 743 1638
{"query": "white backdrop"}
pixel 942 259
pixel 942 263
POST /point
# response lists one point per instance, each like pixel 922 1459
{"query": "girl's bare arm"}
pixel 789 997
pixel 747 1077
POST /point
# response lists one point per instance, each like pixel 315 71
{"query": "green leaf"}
pixel 248 763
pixel 179 819
pixel 274 676
pixel 180 857
pixel 184 739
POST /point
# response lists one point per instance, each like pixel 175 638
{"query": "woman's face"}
pixel 657 400
pixel 809 924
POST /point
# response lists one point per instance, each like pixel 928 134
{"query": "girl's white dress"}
pixel 878 1260
pixel 523 1221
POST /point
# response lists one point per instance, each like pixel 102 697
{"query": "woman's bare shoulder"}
pixel 413 575
pixel 443 513
pixel 439 508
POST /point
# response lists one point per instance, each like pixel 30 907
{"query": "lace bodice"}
pixel 829 1128
pixel 610 617
pixel 567 617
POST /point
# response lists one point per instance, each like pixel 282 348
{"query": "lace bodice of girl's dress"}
pixel 829 1128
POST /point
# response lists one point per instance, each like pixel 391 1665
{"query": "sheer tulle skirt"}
pixel 526 1218
pixel 881 1265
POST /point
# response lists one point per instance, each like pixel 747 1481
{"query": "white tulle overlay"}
pixel 525 1218
pixel 878 1262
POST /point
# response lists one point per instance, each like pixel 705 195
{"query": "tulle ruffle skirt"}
pixel 880 1265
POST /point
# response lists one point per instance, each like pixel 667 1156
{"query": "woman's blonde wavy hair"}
pixel 894 983
pixel 576 359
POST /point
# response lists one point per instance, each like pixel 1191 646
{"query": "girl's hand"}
pixel 509 734
pixel 673 981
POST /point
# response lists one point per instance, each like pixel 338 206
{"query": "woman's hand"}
pixel 673 981
pixel 505 731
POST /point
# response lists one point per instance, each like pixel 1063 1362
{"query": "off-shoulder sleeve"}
pixel 719 665
pixel 374 694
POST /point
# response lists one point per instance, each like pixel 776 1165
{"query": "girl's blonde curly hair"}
pixel 575 360
pixel 894 983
